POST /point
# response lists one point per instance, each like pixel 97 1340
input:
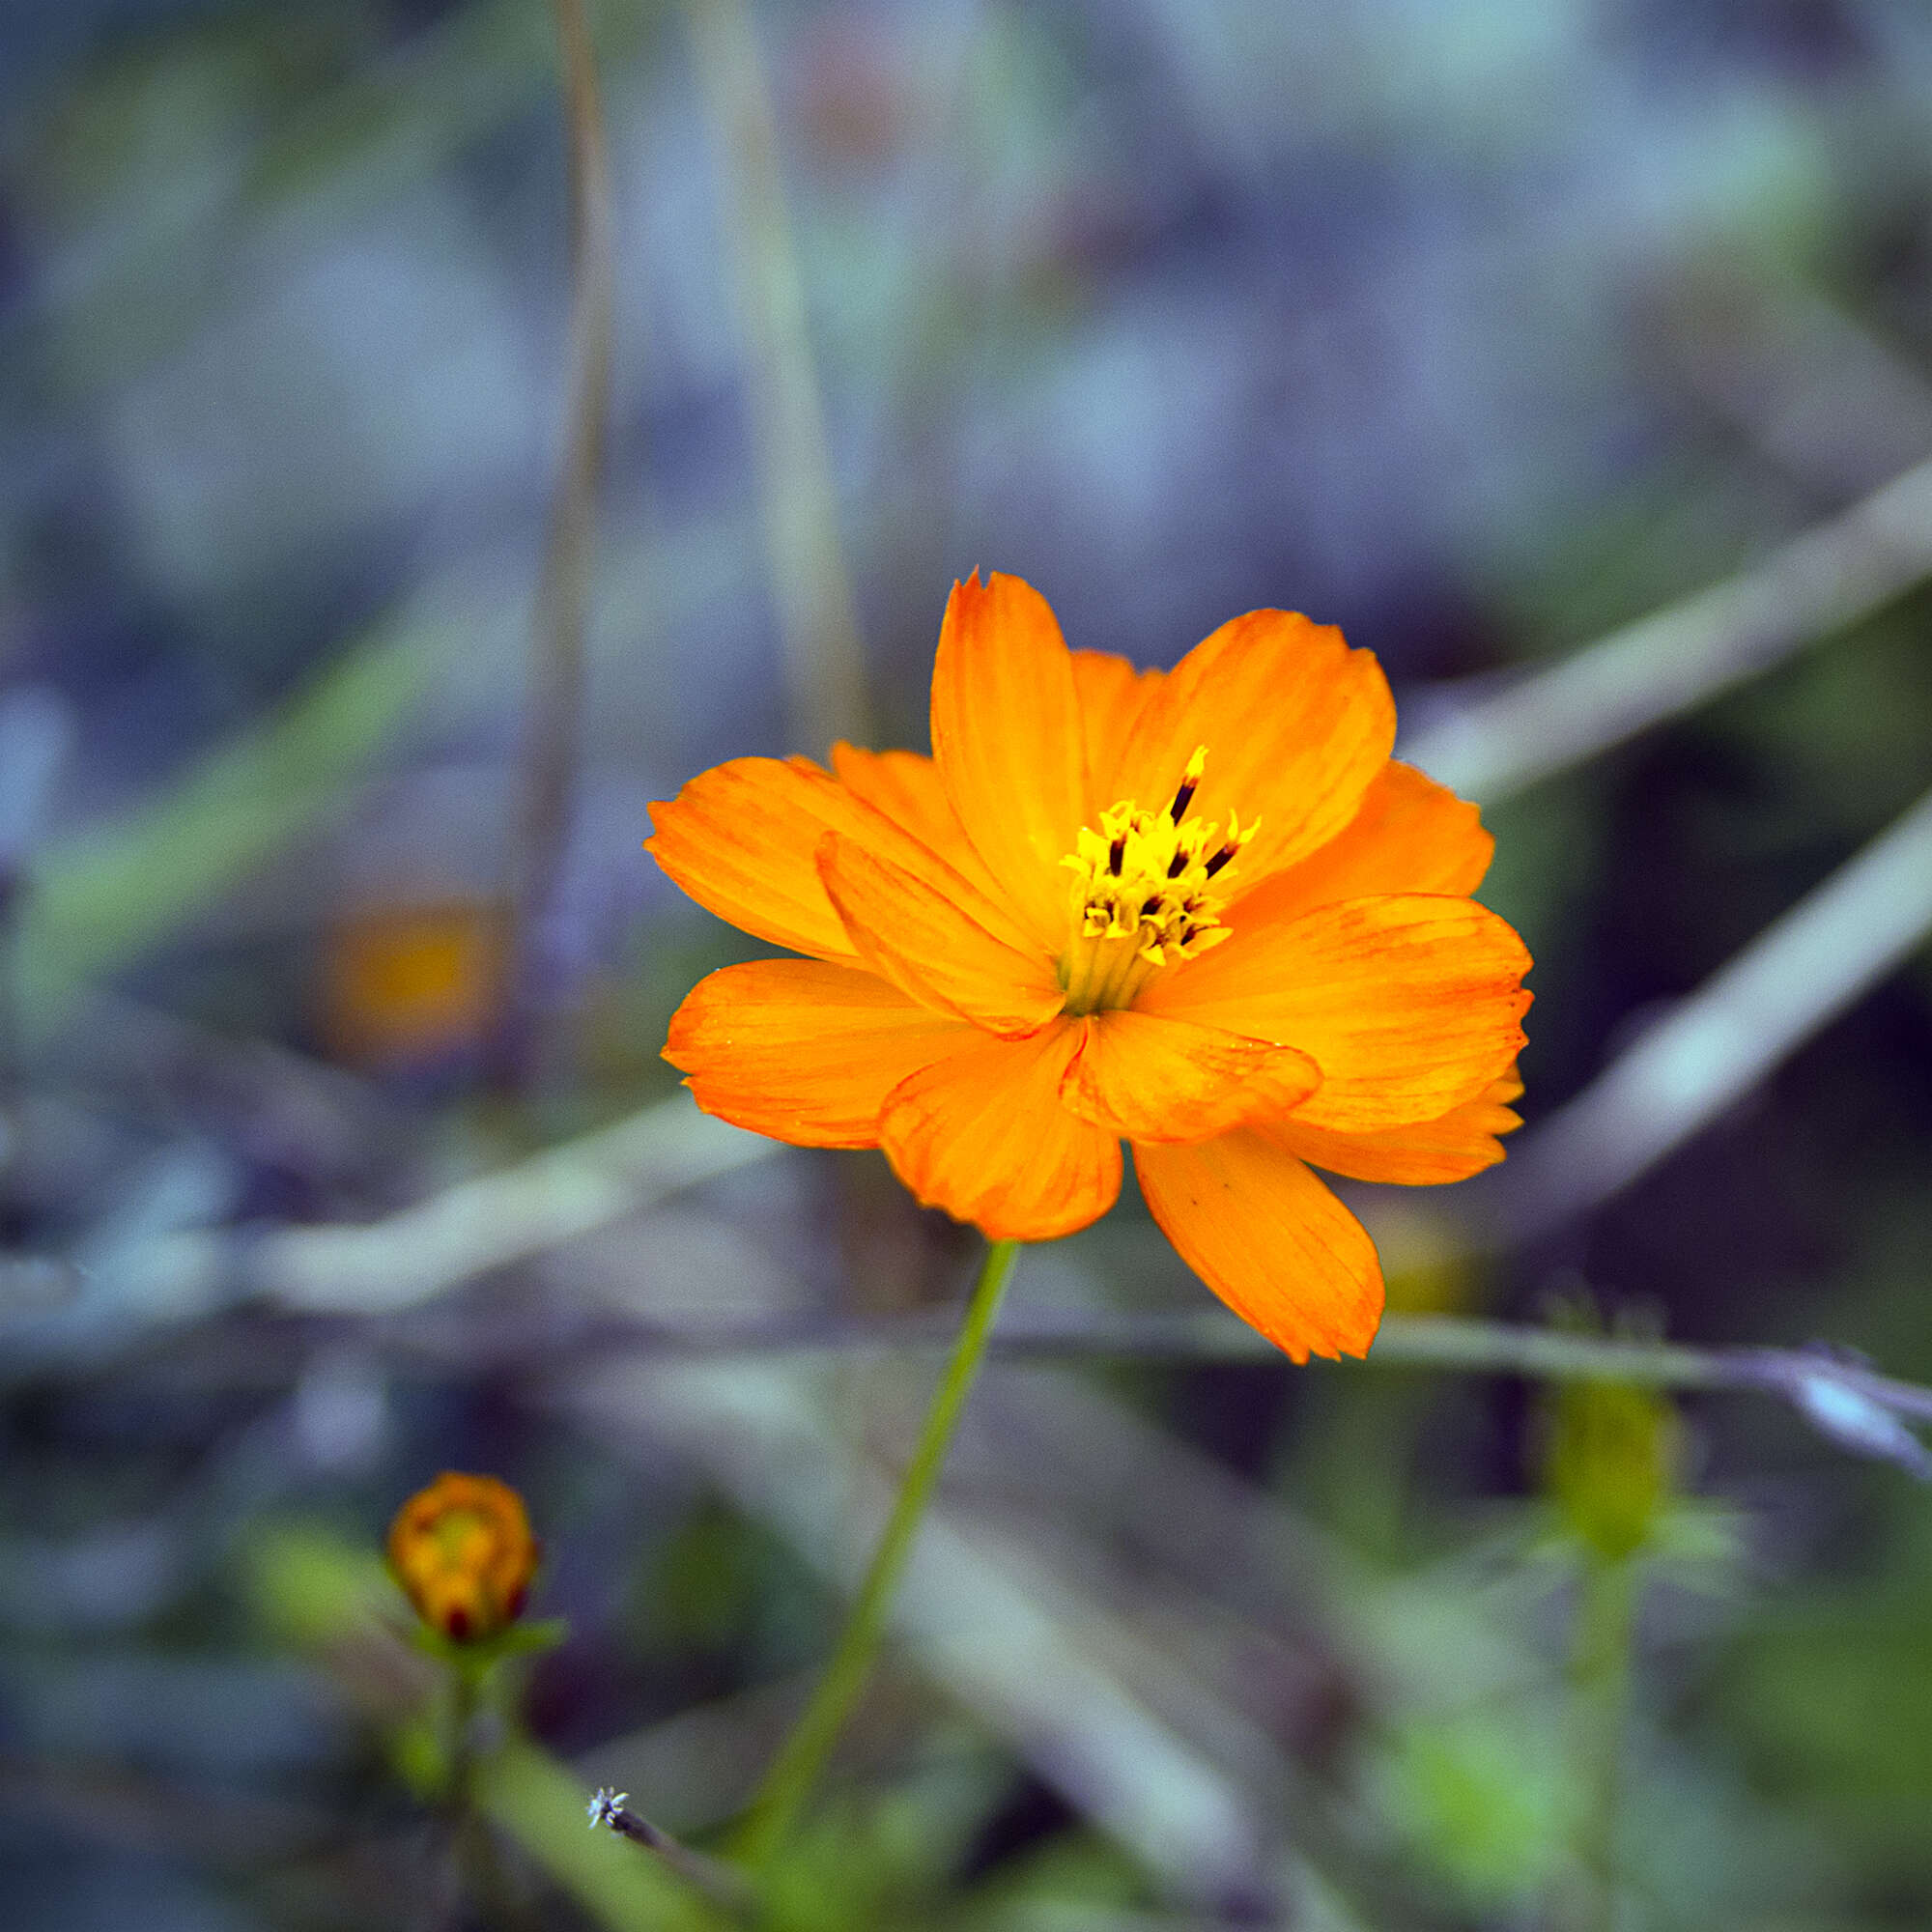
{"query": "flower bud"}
pixel 1612 1464
pixel 462 1551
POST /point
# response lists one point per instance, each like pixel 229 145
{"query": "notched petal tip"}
pixel 1269 1238
pixel 1410 1003
pixel 1008 741
pixel 1297 725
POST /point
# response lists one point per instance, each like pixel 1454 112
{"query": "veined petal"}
pixel 1411 836
pixel 1007 738
pixel 1270 1240
pixel 1112 693
pixel 906 787
pixel 1150 1079
pixel 932 946
pixel 1408 1004
pixel 742 838
pixel 1295 723
pixel 803 1051
pixel 981 1133
pixel 1463 1142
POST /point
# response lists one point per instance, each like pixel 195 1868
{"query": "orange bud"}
pixel 462 1551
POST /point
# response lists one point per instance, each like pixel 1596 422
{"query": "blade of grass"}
pixel 1798 973
pixel 99 899
pixel 1492 746
pixel 818 629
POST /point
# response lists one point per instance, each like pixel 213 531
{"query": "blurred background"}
pixel 334 1146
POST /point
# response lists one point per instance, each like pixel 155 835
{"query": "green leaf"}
pixel 103 897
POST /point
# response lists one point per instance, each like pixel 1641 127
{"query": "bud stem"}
pixel 1600 1664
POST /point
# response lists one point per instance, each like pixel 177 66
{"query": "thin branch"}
pixel 1825 398
pixel 557 670
pixel 496 1219
pixel 394 1267
pixel 819 630
pixel 1499 743
pixel 1802 971
pixel 1837 1394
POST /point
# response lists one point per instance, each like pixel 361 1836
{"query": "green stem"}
pixel 1600 1666
pixel 467 1839
pixel 796 1769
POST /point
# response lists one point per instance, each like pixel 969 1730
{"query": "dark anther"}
pixel 1116 853
pixel 1150 907
pixel 1219 859
pixel 1182 799
pixel 1176 865
pixel 1187 933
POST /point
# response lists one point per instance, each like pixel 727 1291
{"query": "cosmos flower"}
pixel 1200 911
pixel 462 1551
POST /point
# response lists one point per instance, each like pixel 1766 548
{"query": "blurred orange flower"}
pixel 406 984
pixel 462 1551
pixel 1202 911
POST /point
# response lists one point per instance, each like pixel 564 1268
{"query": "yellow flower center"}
pixel 1141 894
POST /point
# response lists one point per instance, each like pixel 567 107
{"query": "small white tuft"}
pixel 605 1804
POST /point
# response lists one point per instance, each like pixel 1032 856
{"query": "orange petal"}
pixel 1408 1003
pixel 1152 1079
pixel 1270 1240
pixel 1462 1143
pixel 1295 725
pixel 803 1051
pixel 1411 836
pixel 742 839
pixel 982 1134
pixel 1112 693
pixel 932 946
pixel 1006 737
pixel 906 787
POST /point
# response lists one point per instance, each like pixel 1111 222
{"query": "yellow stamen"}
pixel 1141 899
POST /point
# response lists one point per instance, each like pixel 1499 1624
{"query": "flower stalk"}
pixel 1599 1669
pixel 801 1759
pixel 1610 1469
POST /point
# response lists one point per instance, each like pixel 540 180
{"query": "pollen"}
pixel 1144 894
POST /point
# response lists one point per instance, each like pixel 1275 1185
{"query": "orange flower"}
pixel 1200 911
pixel 410 984
pixel 462 1551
